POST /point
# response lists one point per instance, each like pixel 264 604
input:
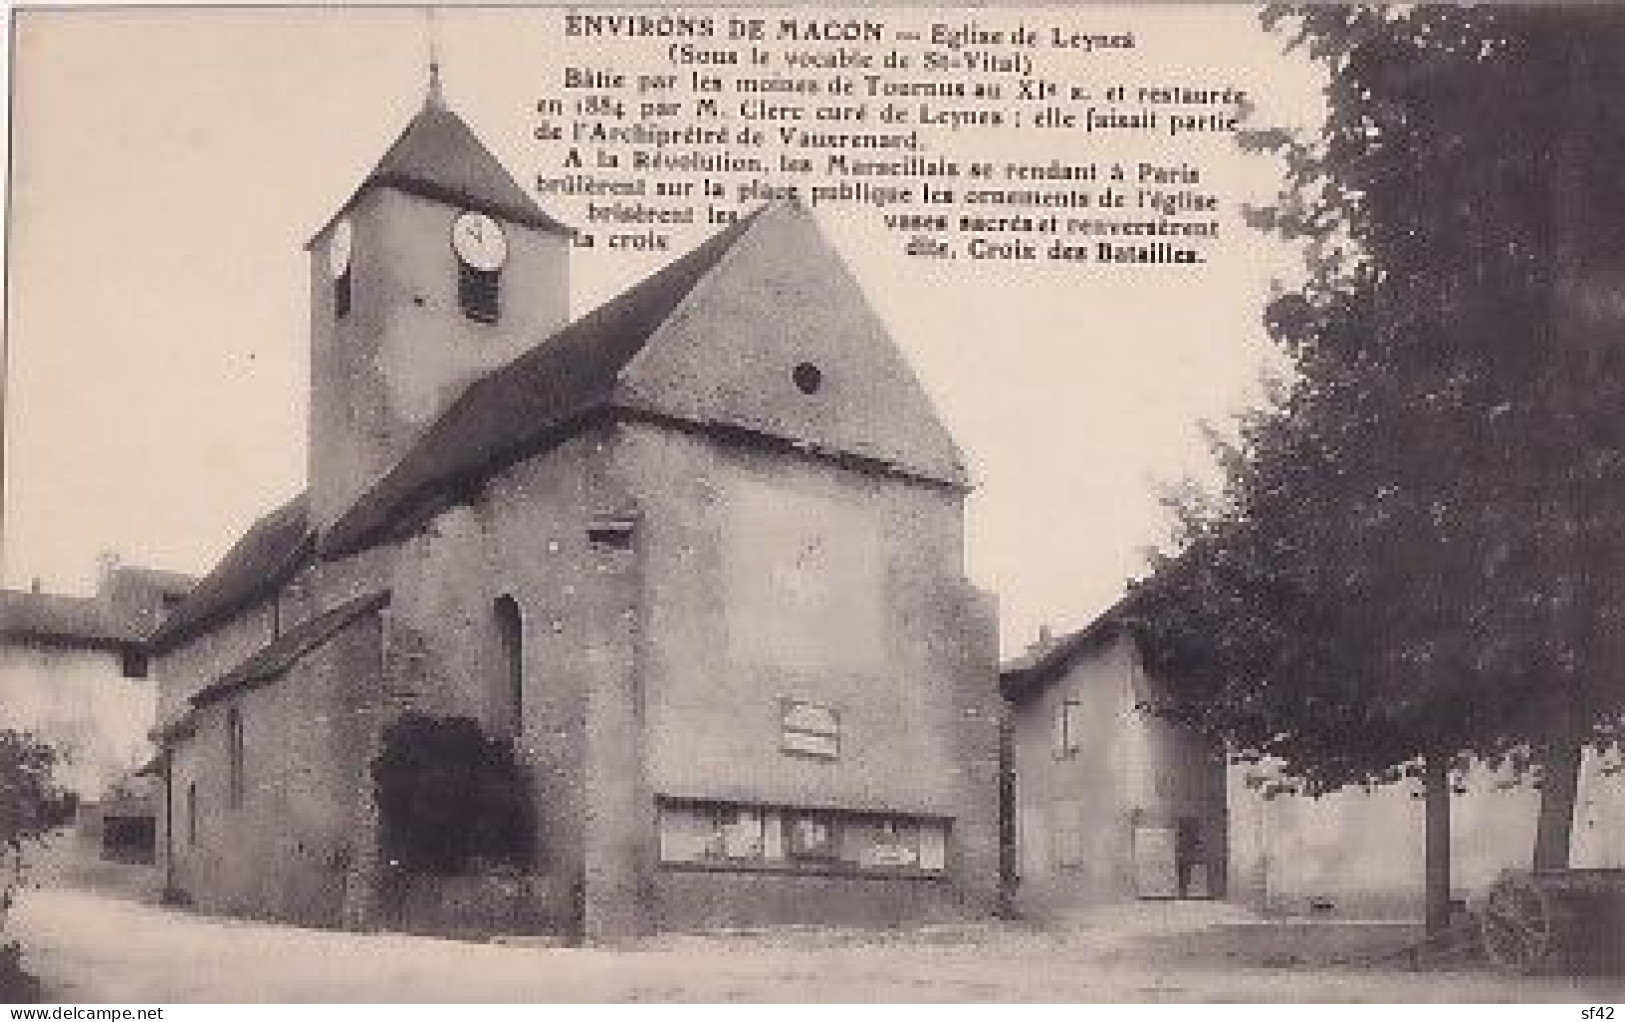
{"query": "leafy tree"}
pixel 31 804
pixel 1414 555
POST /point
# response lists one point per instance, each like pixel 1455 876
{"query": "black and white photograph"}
pixel 694 504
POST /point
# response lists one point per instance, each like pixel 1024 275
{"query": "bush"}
pixel 16 985
pixel 31 804
pixel 448 796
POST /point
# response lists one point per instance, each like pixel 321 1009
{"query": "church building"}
pixel 689 568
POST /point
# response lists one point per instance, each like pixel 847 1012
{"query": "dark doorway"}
pixel 129 838
pixel 1191 859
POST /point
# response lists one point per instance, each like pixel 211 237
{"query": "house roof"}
pixel 284 651
pixel 62 620
pixel 269 553
pixel 1037 666
pixel 529 403
pixel 439 157
pixel 128 603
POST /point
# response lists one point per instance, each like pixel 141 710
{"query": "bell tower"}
pixel 438 269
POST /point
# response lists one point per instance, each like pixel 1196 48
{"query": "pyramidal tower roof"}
pixel 439 157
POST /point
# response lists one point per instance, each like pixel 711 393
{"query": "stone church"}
pixel 692 562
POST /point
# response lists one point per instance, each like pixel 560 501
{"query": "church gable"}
pixel 779 339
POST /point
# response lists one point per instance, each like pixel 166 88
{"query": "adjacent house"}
pixel 73 670
pixel 692 563
pixel 1107 802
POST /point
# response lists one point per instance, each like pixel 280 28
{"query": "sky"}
pixel 169 165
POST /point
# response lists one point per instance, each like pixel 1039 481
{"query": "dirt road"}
pixel 94 946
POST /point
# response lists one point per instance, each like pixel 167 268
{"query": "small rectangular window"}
pixel 479 292
pixel 234 756
pixel 341 294
pixel 133 663
pixel 1068 729
pixel 191 814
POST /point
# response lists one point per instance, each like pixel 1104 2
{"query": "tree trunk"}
pixel 1436 823
pixel 1559 785
pixel 1577 346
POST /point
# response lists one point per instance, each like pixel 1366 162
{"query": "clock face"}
pixel 339 246
pixel 479 242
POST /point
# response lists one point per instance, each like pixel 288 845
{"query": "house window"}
pixel 479 292
pixel 191 814
pixel 809 729
pixel 1068 729
pixel 132 663
pixel 511 673
pixel 341 293
pixel 234 756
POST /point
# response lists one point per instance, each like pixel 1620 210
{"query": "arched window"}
pixel 510 680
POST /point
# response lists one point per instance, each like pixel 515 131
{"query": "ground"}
pixel 98 936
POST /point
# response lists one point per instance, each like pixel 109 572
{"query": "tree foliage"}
pixel 31 804
pixel 448 796
pixel 1416 543
pixel 31 800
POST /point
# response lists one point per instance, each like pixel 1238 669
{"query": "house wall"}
pixel 288 850
pixel 767 576
pixel 80 702
pixel 1356 853
pixel 1079 814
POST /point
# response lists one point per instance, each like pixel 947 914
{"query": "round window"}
pixel 808 378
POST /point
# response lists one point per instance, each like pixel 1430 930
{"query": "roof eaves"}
pixel 279 655
pixel 1027 674
pixel 188 620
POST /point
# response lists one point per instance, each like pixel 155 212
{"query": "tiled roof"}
pixel 438 156
pixel 269 553
pixel 524 405
pixel 285 650
pixel 1030 670
pixel 61 620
